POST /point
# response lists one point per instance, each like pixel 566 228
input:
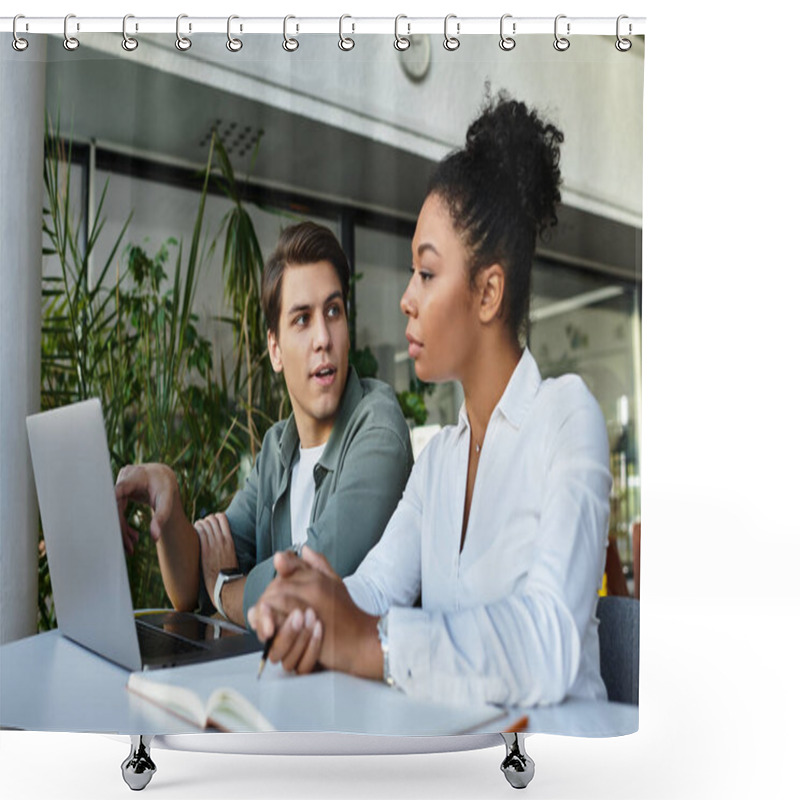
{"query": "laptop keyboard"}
pixel 154 643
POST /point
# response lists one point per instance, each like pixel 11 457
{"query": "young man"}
pixel 330 475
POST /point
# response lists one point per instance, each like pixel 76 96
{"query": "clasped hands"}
pixel 309 612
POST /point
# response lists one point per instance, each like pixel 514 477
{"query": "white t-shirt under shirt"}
pixel 301 494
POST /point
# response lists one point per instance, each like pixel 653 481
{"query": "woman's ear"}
pixel 491 284
pixel 275 356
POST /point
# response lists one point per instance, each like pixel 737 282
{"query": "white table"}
pixel 49 683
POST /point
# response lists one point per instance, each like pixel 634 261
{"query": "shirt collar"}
pixel 518 395
pixel 290 440
pixel 521 389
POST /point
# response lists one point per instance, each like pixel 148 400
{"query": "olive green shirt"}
pixel 358 482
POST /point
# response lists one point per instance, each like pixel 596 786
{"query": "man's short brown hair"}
pixel 304 243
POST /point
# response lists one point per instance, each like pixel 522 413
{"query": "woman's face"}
pixel 440 304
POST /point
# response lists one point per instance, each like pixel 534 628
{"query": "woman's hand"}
pixel 262 618
pixel 346 637
pixel 298 642
pixel 297 638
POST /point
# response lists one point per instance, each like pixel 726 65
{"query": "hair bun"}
pixel 509 143
pixel 502 189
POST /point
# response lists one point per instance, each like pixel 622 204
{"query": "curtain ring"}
pixel 233 44
pixel 70 42
pixel 18 43
pixel 623 45
pixel 561 43
pixel 401 42
pixel 289 44
pixel 451 42
pixel 129 44
pixel 507 42
pixel 183 43
pixel 345 42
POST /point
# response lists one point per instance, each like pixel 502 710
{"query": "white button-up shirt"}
pixel 511 618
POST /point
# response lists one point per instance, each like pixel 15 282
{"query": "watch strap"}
pixel 383 635
pixel 222 579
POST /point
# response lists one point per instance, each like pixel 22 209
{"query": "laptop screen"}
pixel 75 486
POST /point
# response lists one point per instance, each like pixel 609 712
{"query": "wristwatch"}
pixel 224 576
pixel 383 635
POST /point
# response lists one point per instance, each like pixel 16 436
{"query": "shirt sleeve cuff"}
pixel 361 595
pixel 409 648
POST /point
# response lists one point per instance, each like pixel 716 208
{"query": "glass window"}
pixel 51 267
pixel 589 324
pixel 162 211
pixel 580 321
pixel 382 264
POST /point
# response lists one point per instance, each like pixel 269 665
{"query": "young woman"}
pixel 502 529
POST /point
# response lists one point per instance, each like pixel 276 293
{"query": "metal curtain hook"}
pixel 128 42
pixel 181 42
pixel 451 42
pixel 561 43
pixel 507 42
pixel 233 44
pixel 623 45
pixel 289 44
pixel 18 43
pixel 401 42
pixel 70 42
pixel 345 42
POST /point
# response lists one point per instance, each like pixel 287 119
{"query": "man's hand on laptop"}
pixel 153 484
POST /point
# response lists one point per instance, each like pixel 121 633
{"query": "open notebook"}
pixel 227 696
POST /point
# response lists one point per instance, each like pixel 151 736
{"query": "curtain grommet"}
pixel 70 42
pixel 507 43
pixel 129 43
pixel 346 43
pixel 623 45
pixel 233 44
pixel 289 44
pixel 183 43
pixel 401 43
pixel 561 43
pixel 17 42
pixel 451 43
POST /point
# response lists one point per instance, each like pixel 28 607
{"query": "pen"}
pixel 264 656
pixel 296 549
pixel 520 725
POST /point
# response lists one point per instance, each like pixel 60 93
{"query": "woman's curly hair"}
pixel 502 190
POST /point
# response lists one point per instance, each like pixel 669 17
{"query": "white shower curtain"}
pixel 349 139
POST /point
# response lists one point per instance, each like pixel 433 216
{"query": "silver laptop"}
pixel 91 592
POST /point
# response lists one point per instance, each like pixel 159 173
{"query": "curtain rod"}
pixel 451 26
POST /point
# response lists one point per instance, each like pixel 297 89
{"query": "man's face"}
pixel 312 347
